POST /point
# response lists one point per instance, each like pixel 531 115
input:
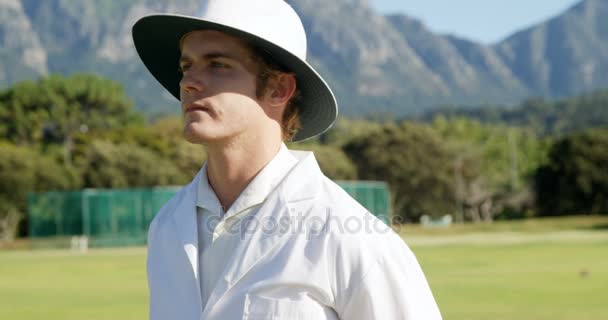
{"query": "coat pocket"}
pixel 262 308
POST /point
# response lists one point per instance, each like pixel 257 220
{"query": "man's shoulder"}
pixel 345 219
pixel 357 240
pixel 338 203
pixel 336 194
pixel 164 214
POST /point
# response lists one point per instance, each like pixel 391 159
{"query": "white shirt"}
pixel 219 232
pixel 327 270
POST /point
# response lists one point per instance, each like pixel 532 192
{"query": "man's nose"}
pixel 191 83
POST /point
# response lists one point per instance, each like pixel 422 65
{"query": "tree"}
pixel 567 115
pixel 108 165
pixel 163 137
pixel 24 170
pixel 346 129
pixel 332 161
pixel 494 165
pixel 415 163
pixel 55 108
pixel 575 181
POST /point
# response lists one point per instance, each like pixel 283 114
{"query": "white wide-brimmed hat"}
pixel 270 25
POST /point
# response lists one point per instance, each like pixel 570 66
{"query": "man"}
pixel 261 233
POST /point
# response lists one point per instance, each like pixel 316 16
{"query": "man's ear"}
pixel 280 89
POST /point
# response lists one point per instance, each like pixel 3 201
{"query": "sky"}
pixel 486 21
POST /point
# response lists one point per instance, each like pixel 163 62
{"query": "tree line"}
pixel 553 118
pixel 81 131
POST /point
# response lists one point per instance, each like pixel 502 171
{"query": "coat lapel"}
pixel 184 217
pixel 298 190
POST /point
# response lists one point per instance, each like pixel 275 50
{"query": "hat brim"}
pixel 156 40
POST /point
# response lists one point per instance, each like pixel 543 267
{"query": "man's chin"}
pixel 199 136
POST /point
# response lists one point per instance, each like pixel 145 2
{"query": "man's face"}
pixel 218 88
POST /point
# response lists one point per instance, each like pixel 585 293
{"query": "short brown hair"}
pixel 268 69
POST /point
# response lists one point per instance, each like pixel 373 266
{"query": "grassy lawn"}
pixel 102 284
pixel 544 280
pixel 556 270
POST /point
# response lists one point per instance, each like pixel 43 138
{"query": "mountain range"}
pixel 375 63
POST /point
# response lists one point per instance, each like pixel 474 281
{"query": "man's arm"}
pixel 392 286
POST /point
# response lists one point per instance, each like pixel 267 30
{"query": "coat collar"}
pixel 255 193
pixel 299 186
pixel 304 179
pixel 297 190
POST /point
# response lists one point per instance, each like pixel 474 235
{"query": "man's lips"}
pixel 196 107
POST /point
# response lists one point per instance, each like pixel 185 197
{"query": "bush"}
pixel 415 163
pixel 333 162
pixel 23 170
pixel 108 165
pixel 576 179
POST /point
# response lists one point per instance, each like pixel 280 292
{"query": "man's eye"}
pixel 217 64
pixel 183 68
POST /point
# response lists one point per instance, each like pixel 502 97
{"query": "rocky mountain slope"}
pixel 375 63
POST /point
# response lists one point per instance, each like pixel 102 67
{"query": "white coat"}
pixel 311 252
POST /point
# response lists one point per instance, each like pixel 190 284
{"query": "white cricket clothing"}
pixel 219 232
pixel 329 269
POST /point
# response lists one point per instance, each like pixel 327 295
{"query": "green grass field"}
pixel 556 270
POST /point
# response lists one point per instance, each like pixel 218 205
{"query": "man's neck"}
pixel 230 168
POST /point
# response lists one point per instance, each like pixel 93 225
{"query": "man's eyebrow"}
pixel 209 56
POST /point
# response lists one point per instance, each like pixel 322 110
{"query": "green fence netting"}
pixel 373 195
pixel 120 217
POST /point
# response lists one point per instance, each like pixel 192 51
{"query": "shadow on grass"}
pixel 602 226
pixel 595 227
